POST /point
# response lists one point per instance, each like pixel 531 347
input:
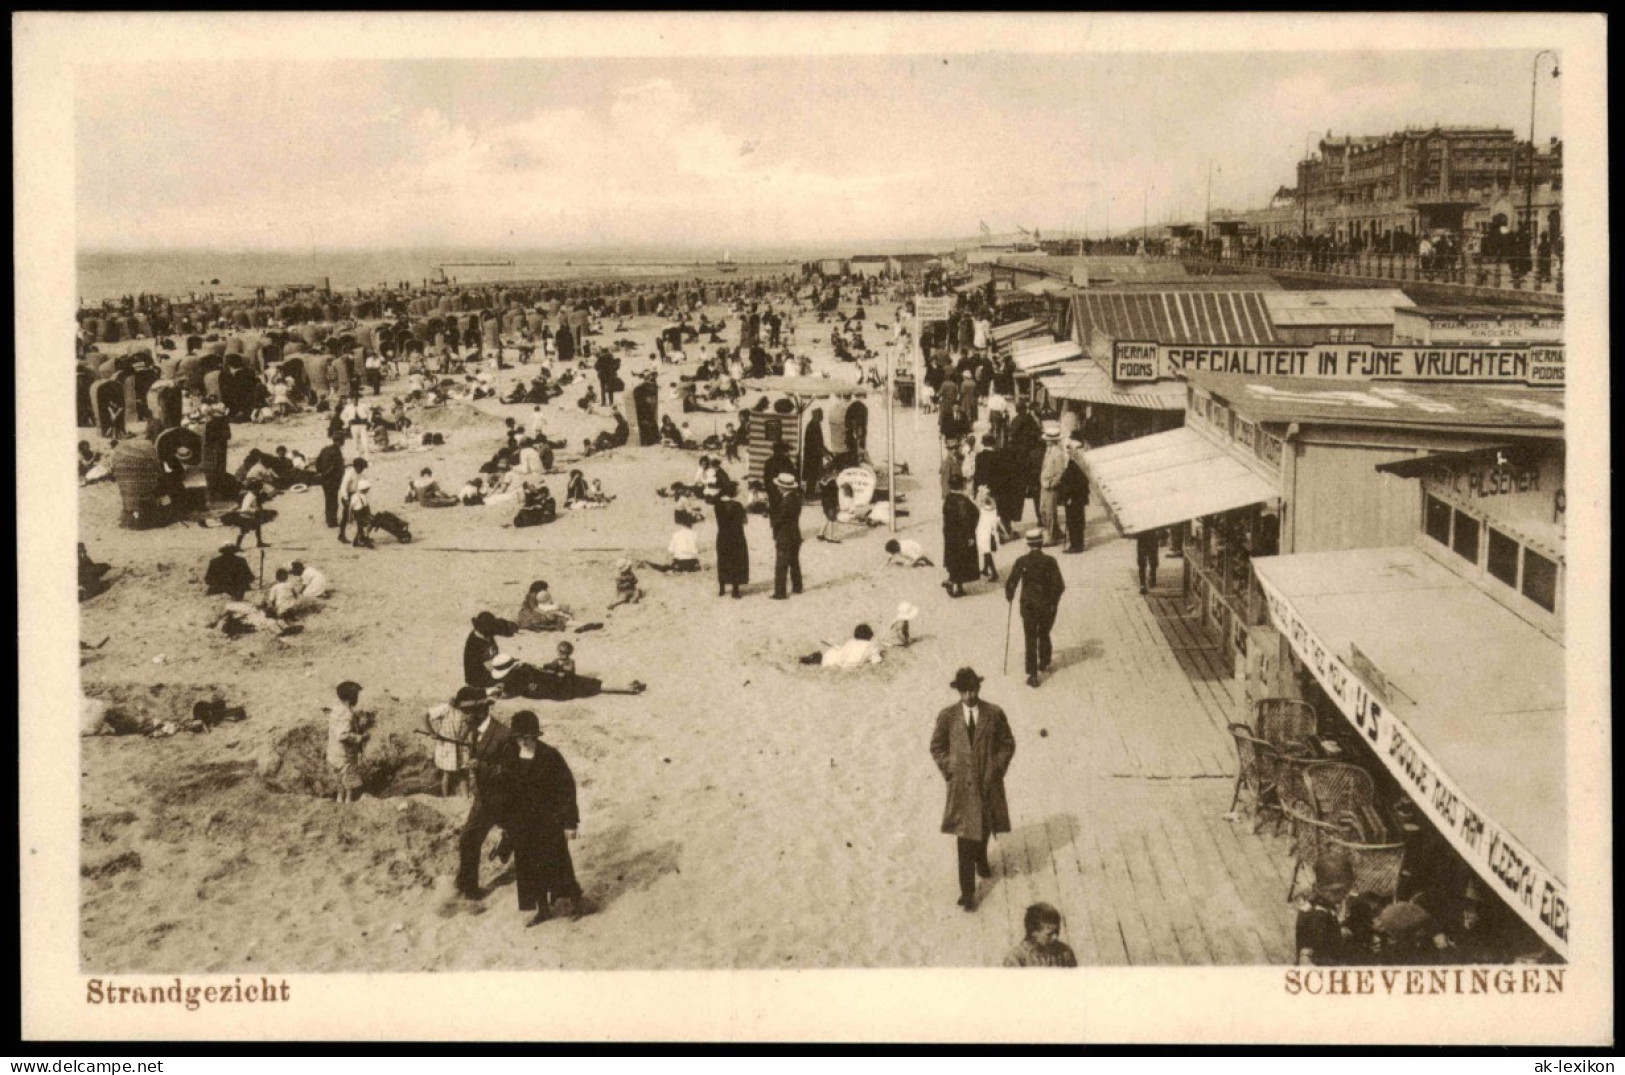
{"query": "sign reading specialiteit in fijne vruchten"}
pixel 1538 896
pixel 1534 365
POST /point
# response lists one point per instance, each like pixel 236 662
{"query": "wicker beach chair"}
pixel 1338 789
pixel 1310 838
pixel 1257 769
pixel 1282 720
pixel 1377 866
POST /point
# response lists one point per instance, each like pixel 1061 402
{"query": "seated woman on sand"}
pixel 539 612
pixel 426 491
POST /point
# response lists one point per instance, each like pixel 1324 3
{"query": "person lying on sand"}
pixel 904 552
pixel 556 681
pixel 860 650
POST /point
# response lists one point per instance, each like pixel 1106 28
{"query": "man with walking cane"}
pixel 1039 577
pixel 972 747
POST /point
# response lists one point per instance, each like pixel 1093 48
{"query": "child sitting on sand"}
pixel 897 635
pixel 627 591
pixel 684 548
pixel 906 553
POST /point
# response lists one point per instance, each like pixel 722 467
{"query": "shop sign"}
pixel 1539 366
pixel 1135 362
pixel 1439 328
pixel 933 309
pixel 1539 897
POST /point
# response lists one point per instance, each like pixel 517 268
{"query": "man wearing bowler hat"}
pixel 972 747
pixel 1039 577
pixel 489 767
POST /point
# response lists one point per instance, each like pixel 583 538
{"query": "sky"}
pixel 731 153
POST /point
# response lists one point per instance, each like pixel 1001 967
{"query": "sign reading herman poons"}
pixel 1536 365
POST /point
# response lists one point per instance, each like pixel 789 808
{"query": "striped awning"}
pixel 1088 383
pixel 1036 358
pixel 1166 478
pixel 1173 317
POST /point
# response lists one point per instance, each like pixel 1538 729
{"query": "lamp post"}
pixel 1303 192
pixel 1529 184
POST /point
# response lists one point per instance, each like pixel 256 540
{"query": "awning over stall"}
pixel 1462 700
pixel 1168 478
pixel 1088 383
pixel 1036 358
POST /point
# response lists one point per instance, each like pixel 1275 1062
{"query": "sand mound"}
pixel 296 764
pixel 138 708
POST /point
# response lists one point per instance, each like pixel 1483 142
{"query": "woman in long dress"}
pixel 812 452
pixel 543 819
pixel 733 552
pixel 959 522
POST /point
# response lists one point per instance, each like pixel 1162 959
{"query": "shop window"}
pixel 1503 558
pixel 1437 521
pixel 1540 580
pixel 1465 538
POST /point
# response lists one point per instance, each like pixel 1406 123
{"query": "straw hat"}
pixel 1052 431
pixel 503 664
pixel 906 611
pixel 784 481
pixel 470 698
pixel 1035 537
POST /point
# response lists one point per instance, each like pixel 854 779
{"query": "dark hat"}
pixel 470 698
pixel 1398 919
pixel 485 623
pixel 525 723
pixel 966 679
pixel 228 547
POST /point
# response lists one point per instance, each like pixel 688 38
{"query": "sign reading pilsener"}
pixel 1539 366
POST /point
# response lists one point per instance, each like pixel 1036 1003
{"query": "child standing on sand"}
pixel 347 733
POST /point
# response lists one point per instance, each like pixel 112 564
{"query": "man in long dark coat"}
pixel 778 462
pixel 972 747
pixel 1026 444
pixel 490 751
pixel 959 517
pixel 565 342
pixel 1039 577
pixel 330 471
pixel 646 405
pixel 543 819
pixel 785 517
pixel 1074 493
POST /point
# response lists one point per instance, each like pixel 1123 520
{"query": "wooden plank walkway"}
pixel 1123 827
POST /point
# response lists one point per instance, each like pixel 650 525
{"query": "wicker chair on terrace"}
pixel 1258 770
pixel 1339 790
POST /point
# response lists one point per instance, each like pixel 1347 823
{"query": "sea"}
pixel 106 274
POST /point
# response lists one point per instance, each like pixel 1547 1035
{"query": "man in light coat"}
pixel 1050 473
pixel 972 747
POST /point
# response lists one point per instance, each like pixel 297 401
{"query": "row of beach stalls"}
pixel 1368 499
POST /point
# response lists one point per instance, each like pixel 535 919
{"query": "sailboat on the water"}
pixel 727 263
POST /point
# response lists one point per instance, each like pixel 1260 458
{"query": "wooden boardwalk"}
pixel 1123 827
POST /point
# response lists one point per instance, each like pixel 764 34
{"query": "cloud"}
pixel 649 168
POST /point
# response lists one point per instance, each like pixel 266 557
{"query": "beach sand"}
pixel 746 811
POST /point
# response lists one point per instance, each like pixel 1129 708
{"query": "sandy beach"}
pixel 767 813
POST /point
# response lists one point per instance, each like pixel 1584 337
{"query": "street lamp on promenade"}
pixel 1529 184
